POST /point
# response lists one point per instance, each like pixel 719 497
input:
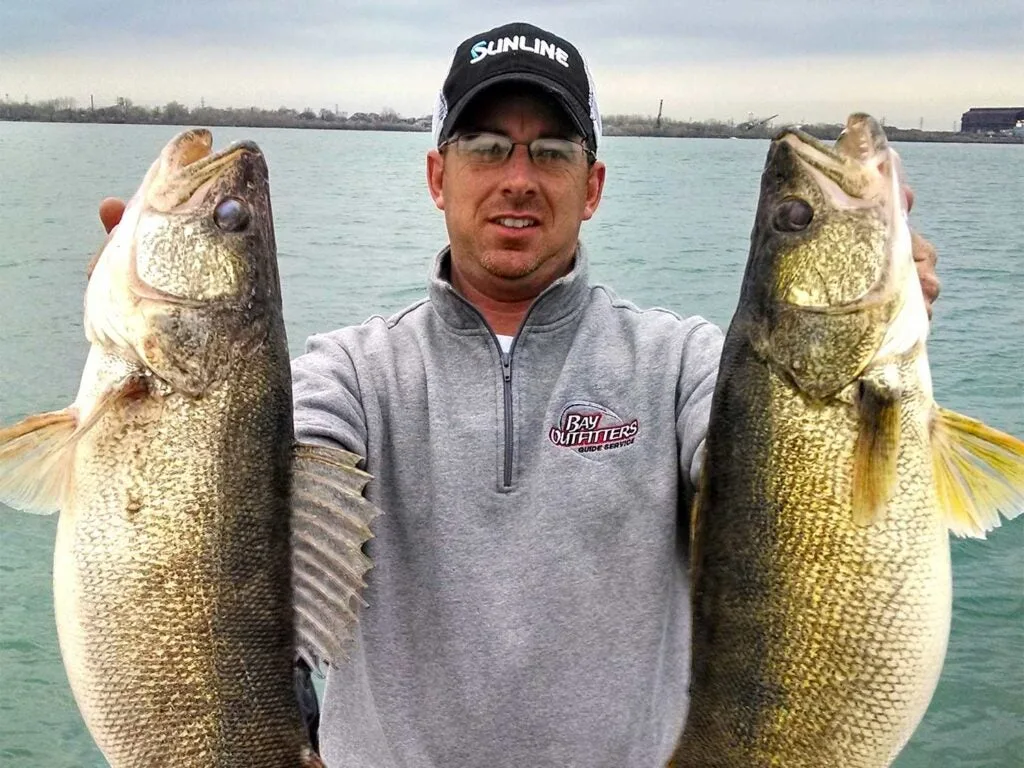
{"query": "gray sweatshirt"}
pixel 528 604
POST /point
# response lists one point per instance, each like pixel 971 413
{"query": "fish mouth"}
pixel 854 173
pixel 858 172
pixel 179 181
pixel 187 166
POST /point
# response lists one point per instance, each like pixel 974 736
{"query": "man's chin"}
pixel 511 265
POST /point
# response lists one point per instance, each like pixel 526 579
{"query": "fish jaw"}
pixel 908 330
pixel 191 268
pixel 858 209
pixel 179 199
pixel 187 164
pixel 824 289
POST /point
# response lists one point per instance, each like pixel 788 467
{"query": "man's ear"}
pixel 595 188
pixel 435 177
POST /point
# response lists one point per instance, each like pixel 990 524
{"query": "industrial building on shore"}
pixel 1009 120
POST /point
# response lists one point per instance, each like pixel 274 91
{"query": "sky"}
pixel 913 62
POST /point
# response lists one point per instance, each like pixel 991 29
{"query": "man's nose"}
pixel 520 172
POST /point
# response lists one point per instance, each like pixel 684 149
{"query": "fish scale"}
pixel 190 546
pixel 822 585
pixel 839 616
pixel 188 565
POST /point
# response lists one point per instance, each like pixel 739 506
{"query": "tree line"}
pixel 124 111
pixel 641 125
pixel 66 110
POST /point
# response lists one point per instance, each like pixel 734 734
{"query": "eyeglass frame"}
pixel 588 153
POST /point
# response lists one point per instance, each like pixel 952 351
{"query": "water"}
pixel 356 234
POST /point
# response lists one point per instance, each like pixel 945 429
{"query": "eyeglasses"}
pixel 493 149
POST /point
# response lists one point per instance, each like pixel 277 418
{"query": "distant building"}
pixel 990 119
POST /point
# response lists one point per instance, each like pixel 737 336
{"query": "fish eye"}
pixel 231 215
pixel 793 215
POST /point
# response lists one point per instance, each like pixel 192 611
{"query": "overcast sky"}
pixel 905 60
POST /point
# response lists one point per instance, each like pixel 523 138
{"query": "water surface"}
pixel 356 234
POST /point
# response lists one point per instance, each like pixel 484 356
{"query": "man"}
pixel 534 443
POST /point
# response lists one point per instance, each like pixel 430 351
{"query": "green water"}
pixel 356 233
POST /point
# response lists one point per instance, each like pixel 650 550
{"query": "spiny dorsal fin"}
pixel 979 473
pixel 876 453
pixel 330 524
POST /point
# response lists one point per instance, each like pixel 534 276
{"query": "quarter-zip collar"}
pixel 563 298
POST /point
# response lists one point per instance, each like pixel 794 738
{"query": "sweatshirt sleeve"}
pixel 327 396
pixel 702 350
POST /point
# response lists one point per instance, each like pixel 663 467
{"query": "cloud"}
pixel 642 30
pixel 917 58
pixel 787 28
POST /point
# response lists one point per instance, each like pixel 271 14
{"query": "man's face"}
pixel 513 226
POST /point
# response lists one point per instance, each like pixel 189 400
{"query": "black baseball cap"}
pixel 518 53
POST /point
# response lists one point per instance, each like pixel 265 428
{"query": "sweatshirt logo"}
pixel 588 427
pixel 485 48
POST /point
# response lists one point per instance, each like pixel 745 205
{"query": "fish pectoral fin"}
pixel 330 524
pixel 37 453
pixel 35 461
pixel 876 452
pixel 979 473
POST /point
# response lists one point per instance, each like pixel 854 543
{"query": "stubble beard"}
pixel 501 266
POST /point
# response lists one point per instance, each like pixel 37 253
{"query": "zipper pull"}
pixel 506 366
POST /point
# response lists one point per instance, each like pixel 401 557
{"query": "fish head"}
pixel 189 279
pixel 205 227
pixel 829 255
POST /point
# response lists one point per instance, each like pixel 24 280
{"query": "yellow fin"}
pixel 35 461
pixel 876 453
pixel 979 473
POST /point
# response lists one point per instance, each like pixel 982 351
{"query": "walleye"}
pixel 198 549
pixel 820 537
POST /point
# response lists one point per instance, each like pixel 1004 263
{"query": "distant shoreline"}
pixel 125 113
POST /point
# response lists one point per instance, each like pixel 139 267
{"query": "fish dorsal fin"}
pixel 876 453
pixel 330 523
pixel 979 473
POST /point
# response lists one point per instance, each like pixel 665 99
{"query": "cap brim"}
pixel 564 98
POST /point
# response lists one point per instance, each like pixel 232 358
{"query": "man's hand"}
pixel 111 211
pixel 924 259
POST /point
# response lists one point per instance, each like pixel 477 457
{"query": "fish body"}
pixel 819 541
pixel 176 590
